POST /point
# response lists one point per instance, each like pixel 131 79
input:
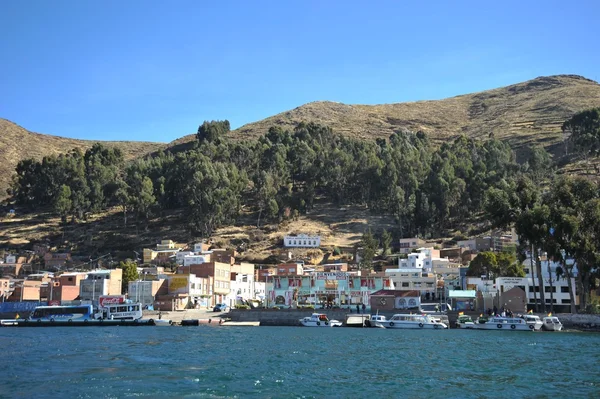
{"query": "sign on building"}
pixel 110 299
pixel 332 276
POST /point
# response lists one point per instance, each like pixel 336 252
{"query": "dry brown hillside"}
pixel 17 143
pixel 531 111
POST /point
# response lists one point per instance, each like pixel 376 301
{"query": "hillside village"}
pixel 284 212
pixel 173 276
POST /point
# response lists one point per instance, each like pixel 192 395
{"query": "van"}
pixel 434 308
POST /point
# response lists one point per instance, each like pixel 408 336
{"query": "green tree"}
pixel 62 203
pixel 130 273
pixel 539 163
pixel 213 130
pixel 369 249
pixel 386 240
pixel 142 196
pixel 485 263
pixel 508 266
pixel 584 131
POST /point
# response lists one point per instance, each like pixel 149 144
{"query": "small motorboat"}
pixel 319 320
pixel 551 323
pixel 375 321
pixel 533 320
pixel 465 321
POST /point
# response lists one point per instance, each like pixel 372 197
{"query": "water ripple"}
pixel 272 362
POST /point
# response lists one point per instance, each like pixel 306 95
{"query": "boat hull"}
pixel 329 323
pixel 504 327
pixel 90 323
pixel 553 328
pixel 415 326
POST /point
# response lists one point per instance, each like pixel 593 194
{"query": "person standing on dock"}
pixel 364 307
pixel 357 308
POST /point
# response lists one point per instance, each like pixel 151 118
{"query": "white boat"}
pixel 534 321
pixel 465 321
pixel 375 321
pixel 502 323
pixel 412 321
pixel 551 323
pixel 9 322
pixel 319 320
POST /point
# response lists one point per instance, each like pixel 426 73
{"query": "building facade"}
pixel 408 244
pixel 302 241
pixel 321 289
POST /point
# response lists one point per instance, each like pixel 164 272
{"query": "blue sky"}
pixel 153 71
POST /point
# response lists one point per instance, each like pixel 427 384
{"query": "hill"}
pixel 17 143
pixel 523 113
pixel 528 112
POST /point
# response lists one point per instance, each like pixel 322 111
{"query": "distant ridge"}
pixel 531 111
pixel 17 143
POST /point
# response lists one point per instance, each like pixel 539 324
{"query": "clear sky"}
pixel 154 70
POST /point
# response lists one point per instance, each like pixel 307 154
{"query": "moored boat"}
pixel 414 321
pixel 502 323
pixel 319 320
pixel 551 323
pixel 533 320
pixel 465 321
pixel 375 321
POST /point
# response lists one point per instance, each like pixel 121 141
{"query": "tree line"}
pixel 279 176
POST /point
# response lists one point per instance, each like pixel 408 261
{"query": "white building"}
pixel 302 241
pixel 95 285
pixel 182 254
pixel 412 278
pixel 426 258
pixel 413 261
pixel 242 289
pixel 195 259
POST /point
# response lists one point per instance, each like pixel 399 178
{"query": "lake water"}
pixel 295 362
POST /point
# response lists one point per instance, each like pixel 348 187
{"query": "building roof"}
pixel 405 270
pixel 397 293
pixel 462 293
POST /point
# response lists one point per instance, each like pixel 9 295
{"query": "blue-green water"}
pixel 279 362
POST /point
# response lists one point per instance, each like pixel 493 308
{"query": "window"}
pixel 549 289
pixel 548 300
pixel 405 284
pixel 564 290
pixel 568 301
pixel 70 279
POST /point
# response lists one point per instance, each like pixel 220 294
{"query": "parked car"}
pixel 220 307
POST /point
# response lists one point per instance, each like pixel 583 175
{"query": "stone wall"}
pixel 579 321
